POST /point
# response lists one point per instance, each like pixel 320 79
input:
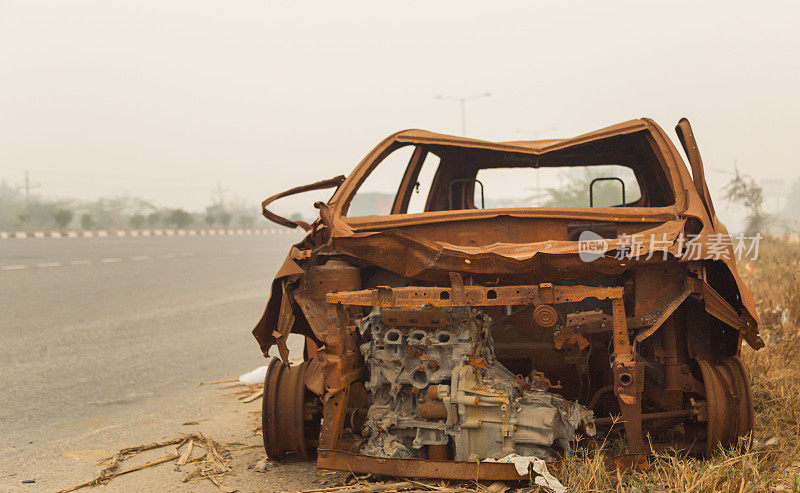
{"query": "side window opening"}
pixel 422 188
pixel 376 195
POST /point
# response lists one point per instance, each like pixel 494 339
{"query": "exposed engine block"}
pixel 437 391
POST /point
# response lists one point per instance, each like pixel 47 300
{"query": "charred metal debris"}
pixel 441 340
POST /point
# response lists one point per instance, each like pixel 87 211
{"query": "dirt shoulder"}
pixel 219 415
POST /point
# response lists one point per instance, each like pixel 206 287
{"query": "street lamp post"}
pixel 463 103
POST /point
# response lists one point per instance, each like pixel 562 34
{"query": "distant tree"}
pixel 225 218
pixel 296 217
pixel 87 222
pixel 179 218
pixel 11 203
pixel 217 214
pixel 137 221
pixel 23 218
pixel 153 219
pixel 792 202
pixel 247 221
pixel 743 190
pixel 790 215
pixel 63 217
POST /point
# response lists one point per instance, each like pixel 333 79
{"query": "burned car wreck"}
pixel 439 341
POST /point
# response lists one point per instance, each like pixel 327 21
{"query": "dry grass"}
pixel 211 460
pixel 772 462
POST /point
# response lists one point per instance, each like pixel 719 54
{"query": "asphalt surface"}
pixel 98 333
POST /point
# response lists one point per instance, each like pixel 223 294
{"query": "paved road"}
pixel 99 331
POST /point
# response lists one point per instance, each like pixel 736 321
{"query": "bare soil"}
pixel 233 424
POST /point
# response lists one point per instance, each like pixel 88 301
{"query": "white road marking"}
pixel 140 257
pixel 14 267
pixel 111 260
pixel 80 262
pixel 168 255
pixel 49 264
pixel 4 235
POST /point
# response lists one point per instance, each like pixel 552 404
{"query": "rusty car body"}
pixel 440 341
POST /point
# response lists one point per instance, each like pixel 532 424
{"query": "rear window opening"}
pixel 620 171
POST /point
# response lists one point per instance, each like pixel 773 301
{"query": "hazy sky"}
pixel 161 99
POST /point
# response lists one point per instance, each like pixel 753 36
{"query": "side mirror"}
pixel 320 185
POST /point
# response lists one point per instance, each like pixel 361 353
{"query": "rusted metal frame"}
pixel 342 198
pixel 689 144
pixel 677 379
pixel 320 185
pixel 640 215
pixel 628 377
pixel 679 413
pixel 415 318
pixel 446 469
pixel 285 323
pixel 722 310
pixel 314 313
pixel 717 306
pixel 623 351
pixel 410 176
pixel 414 296
pixel 334 414
pixel 628 373
pixel 663 316
pixel 342 353
pixel 669 159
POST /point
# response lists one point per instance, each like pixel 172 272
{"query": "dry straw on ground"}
pixel 211 463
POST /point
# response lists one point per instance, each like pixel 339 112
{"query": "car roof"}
pixel 527 146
